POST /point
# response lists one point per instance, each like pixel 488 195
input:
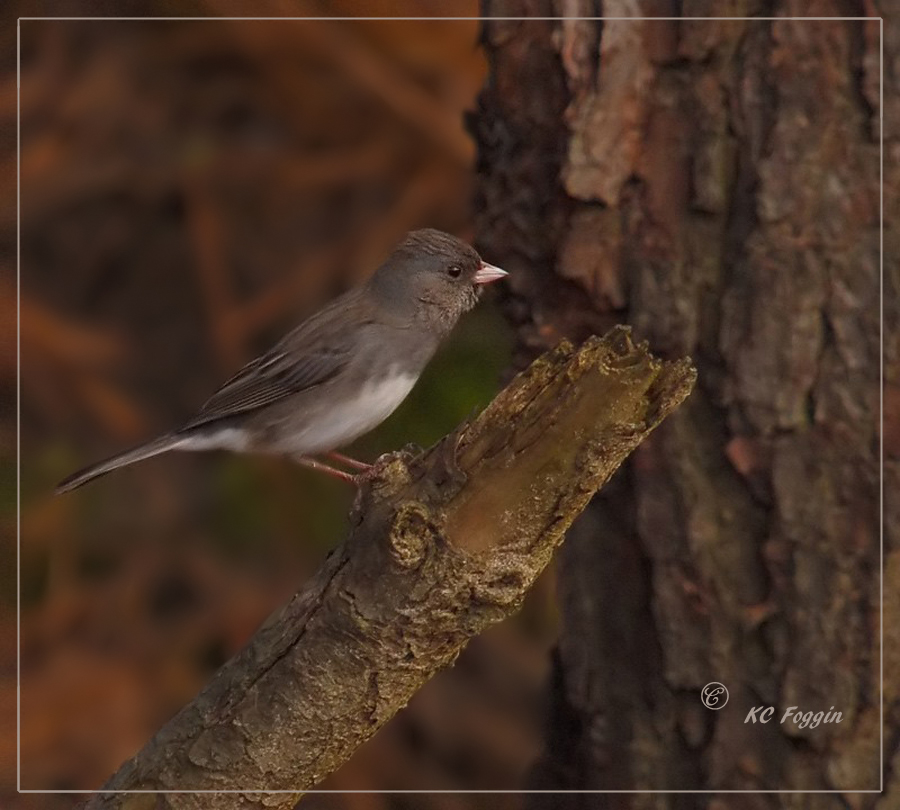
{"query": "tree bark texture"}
pixel 715 183
pixel 441 545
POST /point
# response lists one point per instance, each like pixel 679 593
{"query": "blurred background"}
pixel 189 191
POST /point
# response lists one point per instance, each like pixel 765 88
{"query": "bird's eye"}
pixel 454 271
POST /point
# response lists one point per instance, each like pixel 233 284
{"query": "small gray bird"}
pixel 341 372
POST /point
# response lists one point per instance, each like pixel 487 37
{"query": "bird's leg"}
pixel 325 468
pixel 340 458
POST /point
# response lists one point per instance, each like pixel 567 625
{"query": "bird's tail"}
pixel 161 445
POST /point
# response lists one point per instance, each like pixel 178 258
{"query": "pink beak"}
pixel 487 273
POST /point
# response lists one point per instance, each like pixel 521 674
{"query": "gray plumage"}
pixel 342 371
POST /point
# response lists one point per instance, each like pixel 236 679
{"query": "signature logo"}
pixel 714 695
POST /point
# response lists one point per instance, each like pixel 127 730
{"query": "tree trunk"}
pixel 714 183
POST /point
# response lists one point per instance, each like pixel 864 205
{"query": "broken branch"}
pixel 441 545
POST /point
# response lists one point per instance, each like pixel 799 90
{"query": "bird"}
pixel 341 372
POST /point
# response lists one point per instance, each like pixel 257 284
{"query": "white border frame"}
pixel 19 22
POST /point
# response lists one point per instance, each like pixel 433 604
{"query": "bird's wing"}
pixel 314 353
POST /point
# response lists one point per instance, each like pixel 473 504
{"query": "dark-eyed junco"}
pixel 340 373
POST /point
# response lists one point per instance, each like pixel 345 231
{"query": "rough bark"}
pixel 715 184
pixel 441 545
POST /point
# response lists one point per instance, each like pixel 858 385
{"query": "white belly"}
pixel 347 420
pixel 328 429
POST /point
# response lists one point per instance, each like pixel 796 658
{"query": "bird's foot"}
pixel 364 471
pixel 314 464
pixel 340 458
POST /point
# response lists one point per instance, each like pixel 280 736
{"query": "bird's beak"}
pixel 487 273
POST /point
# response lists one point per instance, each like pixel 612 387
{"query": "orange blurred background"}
pixel 189 191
